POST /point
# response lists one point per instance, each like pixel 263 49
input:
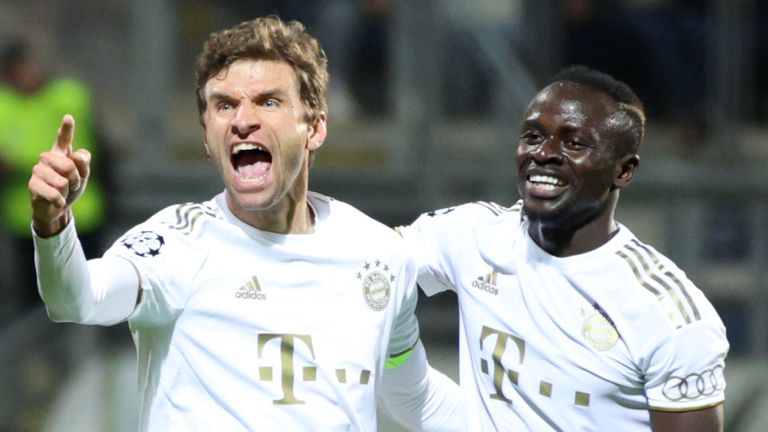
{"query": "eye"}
pixel 577 143
pixel 270 103
pixel 531 137
pixel 224 106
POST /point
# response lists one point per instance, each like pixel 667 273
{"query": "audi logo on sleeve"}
pixel 694 385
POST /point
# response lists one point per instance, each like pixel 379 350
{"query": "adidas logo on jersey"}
pixel 487 283
pixel 251 291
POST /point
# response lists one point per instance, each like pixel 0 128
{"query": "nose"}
pixel 246 120
pixel 548 152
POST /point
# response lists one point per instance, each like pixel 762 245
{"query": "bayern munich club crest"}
pixel 599 332
pixel 144 243
pixel 377 282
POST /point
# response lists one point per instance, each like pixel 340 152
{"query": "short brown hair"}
pixel 268 38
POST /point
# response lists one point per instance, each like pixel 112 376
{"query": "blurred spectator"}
pixel 31 107
pixel 656 46
pixel 597 34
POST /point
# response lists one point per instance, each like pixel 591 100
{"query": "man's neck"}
pixel 566 241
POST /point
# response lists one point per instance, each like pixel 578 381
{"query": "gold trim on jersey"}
pixel 581 399
pixel 545 388
pixel 187 216
pixel 671 276
pixel 688 408
pixel 652 275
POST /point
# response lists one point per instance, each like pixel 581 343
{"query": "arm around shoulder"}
pixel 421 398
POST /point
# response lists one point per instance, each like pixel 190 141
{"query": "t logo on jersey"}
pixel 499 373
pixel 287 365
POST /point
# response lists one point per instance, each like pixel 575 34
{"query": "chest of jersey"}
pixel 535 338
pixel 273 328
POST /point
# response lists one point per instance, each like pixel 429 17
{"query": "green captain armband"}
pixel 398 359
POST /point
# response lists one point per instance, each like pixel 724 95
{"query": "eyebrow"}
pixel 275 92
pixel 219 95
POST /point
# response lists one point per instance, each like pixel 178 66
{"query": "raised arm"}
pixel 103 291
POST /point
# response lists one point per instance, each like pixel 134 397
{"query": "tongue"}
pixel 253 164
pixel 253 170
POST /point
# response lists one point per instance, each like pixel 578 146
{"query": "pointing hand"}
pixel 58 180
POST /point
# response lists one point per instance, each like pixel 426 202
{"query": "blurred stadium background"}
pixel 425 101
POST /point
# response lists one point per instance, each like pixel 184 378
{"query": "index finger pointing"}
pixel 65 134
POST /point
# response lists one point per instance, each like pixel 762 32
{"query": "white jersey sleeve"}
pixel 434 239
pixel 100 291
pixel 405 329
pixel 165 259
pixel 413 393
pixel 420 397
pixel 685 371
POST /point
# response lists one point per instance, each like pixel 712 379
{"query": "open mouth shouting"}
pixel 251 162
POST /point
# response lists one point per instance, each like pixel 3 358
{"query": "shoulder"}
pixel 660 293
pixel 345 218
pixel 74 92
pixel 470 214
pixel 69 86
pixel 468 220
pixel 483 209
pixel 186 220
pixel 168 245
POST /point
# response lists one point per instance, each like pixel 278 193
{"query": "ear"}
pixel 627 168
pixel 317 131
pixel 207 149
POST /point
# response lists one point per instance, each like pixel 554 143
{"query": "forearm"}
pixel 420 397
pixel 704 420
pixel 102 291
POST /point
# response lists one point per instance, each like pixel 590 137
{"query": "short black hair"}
pixel 622 93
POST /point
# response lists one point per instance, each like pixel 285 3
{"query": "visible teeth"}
pixel 250 179
pixel 549 180
pixel 246 146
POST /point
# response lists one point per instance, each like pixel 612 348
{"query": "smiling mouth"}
pixel 545 181
pixel 539 183
pixel 251 162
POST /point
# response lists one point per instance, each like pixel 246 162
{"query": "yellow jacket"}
pixel 28 125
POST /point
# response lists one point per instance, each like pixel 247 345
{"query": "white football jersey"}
pixel 589 342
pixel 240 329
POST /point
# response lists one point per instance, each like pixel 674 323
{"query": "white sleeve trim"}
pixel 102 291
pixel 421 398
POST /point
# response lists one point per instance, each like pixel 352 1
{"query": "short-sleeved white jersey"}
pixel 241 329
pixel 584 343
